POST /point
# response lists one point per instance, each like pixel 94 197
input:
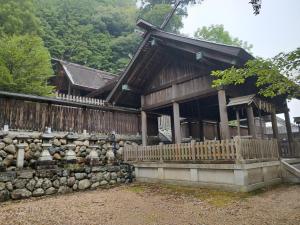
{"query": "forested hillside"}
pixel 98 33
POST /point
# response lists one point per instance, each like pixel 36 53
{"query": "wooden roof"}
pixel 154 52
pixel 85 77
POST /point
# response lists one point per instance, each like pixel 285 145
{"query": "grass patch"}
pixel 214 197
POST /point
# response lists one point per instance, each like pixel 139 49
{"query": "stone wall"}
pixel 34 183
pixel 59 145
pixel 36 177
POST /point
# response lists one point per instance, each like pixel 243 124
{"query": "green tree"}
pixel 278 76
pixel 25 65
pixel 217 33
pixel 17 17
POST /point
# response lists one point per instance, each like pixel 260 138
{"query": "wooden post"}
pixel 274 124
pixel 193 142
pixel 251 123
pixel 289 129
pixel 144 128
pixel 176 115
pixel 237 113
pixel 224 127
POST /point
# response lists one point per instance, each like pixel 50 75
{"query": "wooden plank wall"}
pixel 35 116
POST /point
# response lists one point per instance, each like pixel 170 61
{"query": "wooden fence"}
pixel 234 150
pixel 27 112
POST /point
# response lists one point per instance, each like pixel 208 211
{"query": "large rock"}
pixel 57 156
pixel 64 190
pixel 31 184
pixel 20 183
pixel 84 184
pixel 71 181
pixel 39 183
pixel 51 191
pixel 95 185
pixel 2 145
pixel 56 183
pixel 107 176
pixel 3 154
pixel 7 140
pixel 4 195
pixel 114 175
pixel 9 186
pixel 97 177
pixel 80 176
pixel 20 194
pixel 26 174
pixel 104 182
pixel 10 149
pixel 2 186
pixel 38 192
pixel 63 181
pixel 46 184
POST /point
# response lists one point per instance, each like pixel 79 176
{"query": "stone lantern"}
pixel 45 155
pixel 70 156
pixel 21 149
pixel 93 157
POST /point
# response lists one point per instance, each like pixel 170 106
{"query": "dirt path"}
pixel 139 205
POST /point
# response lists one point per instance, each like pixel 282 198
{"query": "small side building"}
pixel 78 80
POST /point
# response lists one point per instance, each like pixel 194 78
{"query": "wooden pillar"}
pixel 190 128
pixel 274 125
pixel 251 122
pixel 176 115
pixel 144 123
pixel 172 128
pixel 144 128
pixel 238 122
pixel 224 127
pixel 289 129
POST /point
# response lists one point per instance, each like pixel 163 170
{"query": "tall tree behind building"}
pixel 24 61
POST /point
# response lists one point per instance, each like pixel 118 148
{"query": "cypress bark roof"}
pixel 86 77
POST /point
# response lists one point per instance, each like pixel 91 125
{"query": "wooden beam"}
pixel 237 113
pixel 224 127
pixel 274 124
pixel 144 128
pixel 177 129
pixel 289 129
pixel 251 122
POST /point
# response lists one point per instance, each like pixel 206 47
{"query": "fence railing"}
pixel 234 150
pixel 86 100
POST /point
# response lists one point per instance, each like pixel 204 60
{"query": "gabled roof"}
pixel 225 54
pixel 85 77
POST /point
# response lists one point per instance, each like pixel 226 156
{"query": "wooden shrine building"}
pixel 171 75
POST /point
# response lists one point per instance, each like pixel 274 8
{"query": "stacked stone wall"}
pixel 37 178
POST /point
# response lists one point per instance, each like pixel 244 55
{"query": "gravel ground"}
pixel 144 204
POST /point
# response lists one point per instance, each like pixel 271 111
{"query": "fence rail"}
pixel 234 150
pixel 86 100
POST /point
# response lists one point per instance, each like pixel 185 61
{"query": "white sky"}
pixel 275 29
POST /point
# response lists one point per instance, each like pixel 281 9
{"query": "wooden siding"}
pixel 35 116
pixel 184 91
pixel 174 72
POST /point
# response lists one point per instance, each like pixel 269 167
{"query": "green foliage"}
pixel 17 17
pixel 90 32
pixel 217 33
pixel 156 15
pixel 25 65
pixel 268 76
pixel 155 12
